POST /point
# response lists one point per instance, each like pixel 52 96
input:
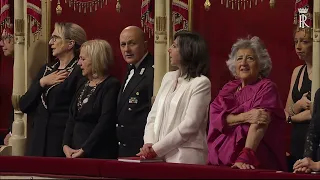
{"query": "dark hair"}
pixel 194 54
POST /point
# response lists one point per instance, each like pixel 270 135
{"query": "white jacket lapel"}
pixel 175 104
pixel 159 116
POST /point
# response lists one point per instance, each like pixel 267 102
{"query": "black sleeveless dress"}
pixel 299 130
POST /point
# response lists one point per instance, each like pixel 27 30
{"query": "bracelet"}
pixel 291 109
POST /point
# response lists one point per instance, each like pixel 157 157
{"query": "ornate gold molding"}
pixel 160 23
pixel 317 20
pixel 160 37
pixel 316 29
pixel 19 27
pixel 19 31
pixel 160 30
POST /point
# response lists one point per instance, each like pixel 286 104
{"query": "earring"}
pixel 95 75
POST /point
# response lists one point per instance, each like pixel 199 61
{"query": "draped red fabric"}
pixel 180 15
pixel 4 10
pixel 6 15
pixel 147 16
pixel 34 12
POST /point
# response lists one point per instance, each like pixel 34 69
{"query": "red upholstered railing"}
pixel 91 168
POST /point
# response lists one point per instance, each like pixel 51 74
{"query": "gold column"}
pixel 160 43
pixel 169 34
pixel 316 48
pixel 18 138
pixel 190 14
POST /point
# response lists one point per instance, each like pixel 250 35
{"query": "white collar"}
pixel 139 62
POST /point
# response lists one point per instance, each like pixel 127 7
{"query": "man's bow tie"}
pixel 130 67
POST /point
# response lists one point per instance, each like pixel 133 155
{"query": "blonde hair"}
pixel 101 55
pixel 73 32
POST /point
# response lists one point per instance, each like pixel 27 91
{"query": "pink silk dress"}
pixel 226 142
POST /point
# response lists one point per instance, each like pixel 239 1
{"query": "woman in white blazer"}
pixel 176 125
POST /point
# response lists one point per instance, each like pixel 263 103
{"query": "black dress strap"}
pixel 296 93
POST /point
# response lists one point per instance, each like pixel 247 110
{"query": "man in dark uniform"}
pixel 134 100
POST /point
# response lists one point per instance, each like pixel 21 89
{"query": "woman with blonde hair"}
pixel 298 104
pixel 91 128
pixel 48 98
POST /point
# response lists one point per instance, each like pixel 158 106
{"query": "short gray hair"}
pixel 258 48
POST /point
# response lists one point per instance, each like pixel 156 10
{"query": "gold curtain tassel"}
pixel 272 3
pixel 207 5
pixel 58 8
pixel 118 6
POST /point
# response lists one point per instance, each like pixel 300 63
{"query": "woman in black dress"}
pixel 299 100
pixel 48 99
pixel 91 128
pixel 311 149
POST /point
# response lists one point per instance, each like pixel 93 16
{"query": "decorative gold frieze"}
pixel 19 27
pixel 161 23
pixel 316 29
pixel 239 4
pixel 160 37
pixel 317 20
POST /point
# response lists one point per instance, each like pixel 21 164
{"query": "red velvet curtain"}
pixel 34 13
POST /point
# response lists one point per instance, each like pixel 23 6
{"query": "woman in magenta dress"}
pixel 247 121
